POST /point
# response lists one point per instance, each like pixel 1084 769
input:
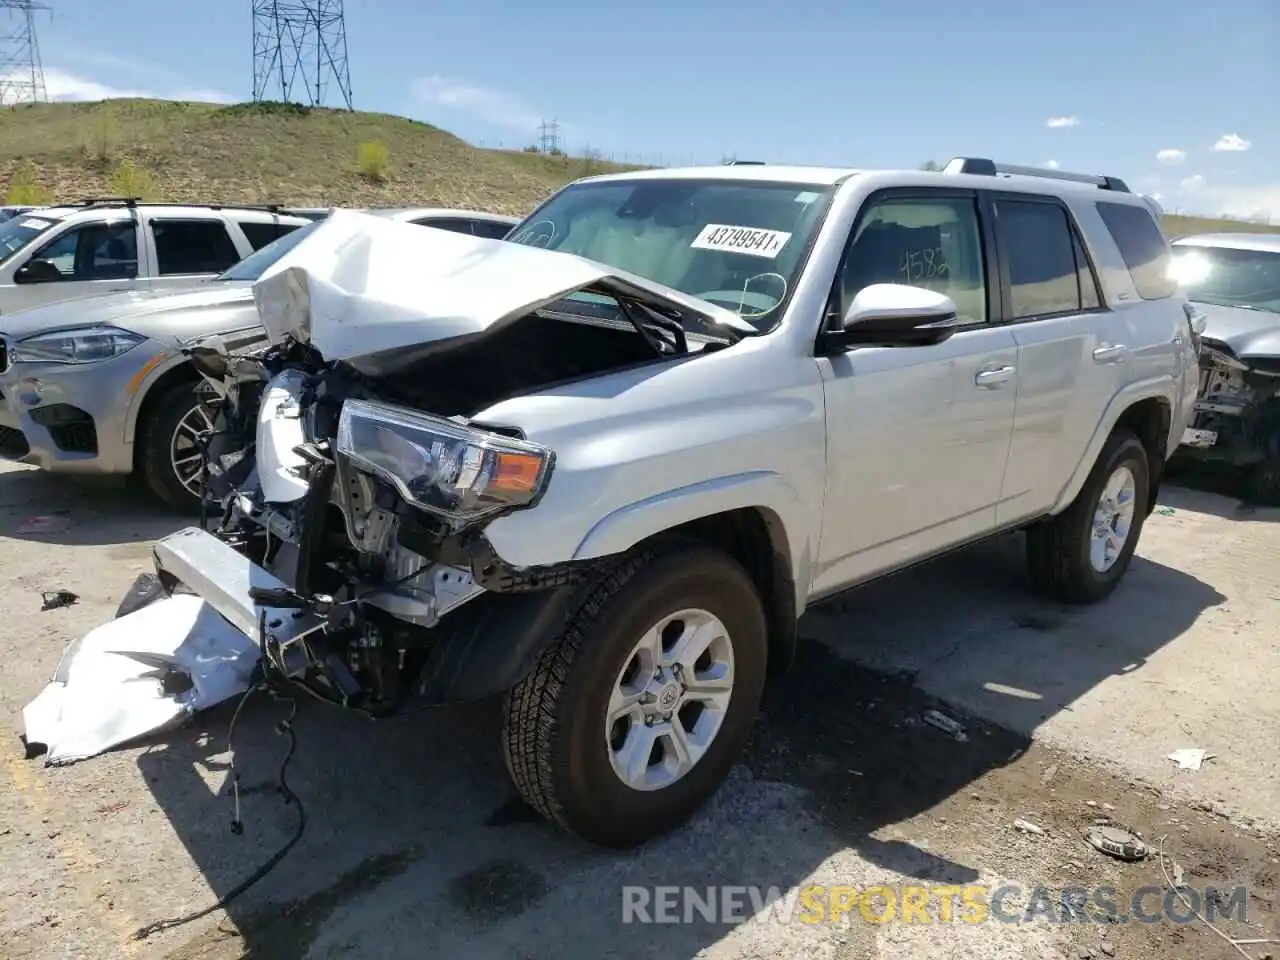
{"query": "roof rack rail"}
pixel 96 201
pixel 982 167
pixel 139 202
pixel 744 163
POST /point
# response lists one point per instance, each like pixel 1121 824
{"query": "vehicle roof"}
pixel 1267 242
pixel 831 176
pixel 411 213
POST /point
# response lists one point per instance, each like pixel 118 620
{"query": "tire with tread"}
pixel 153 459
pixel 1058 548
pixel 553 720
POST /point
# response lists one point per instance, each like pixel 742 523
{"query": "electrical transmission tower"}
pixel 21 73
pixel 549 137
pixel 298 40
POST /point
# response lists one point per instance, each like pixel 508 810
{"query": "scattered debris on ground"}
pixel 1190 758
pixel 1117 842
pixel 53 599
pixel 949 726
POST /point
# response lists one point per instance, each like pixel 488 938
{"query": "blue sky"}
pixel 1180 98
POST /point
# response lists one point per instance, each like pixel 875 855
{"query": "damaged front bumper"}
pixel 228 582
pixel 1237 409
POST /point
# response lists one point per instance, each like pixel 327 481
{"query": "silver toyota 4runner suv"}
pixel 602 468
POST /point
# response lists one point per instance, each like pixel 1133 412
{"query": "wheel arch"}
pixel 176 370
pixel 757 539
pixel 1145 408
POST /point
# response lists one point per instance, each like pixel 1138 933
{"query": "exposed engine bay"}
pixel 1237 417
pixel 370 511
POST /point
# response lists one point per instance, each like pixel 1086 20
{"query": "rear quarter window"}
pixel 1145 251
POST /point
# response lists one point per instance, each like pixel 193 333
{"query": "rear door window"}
pixel 192 246
pixel 1042 254
pixel 1143 247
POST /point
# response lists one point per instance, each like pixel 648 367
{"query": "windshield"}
pixel 737 244
pixel 17 232
pixel 255 264
pixel 1227 277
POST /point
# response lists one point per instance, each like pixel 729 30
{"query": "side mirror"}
pixel 896 315
pixel 36 271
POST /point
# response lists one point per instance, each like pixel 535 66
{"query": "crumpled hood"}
pixel 361 286
pixel 142 311
pixel 1246 332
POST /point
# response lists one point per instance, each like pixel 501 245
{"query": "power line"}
pixel 21 72
pixel 549 137
pixel 295 40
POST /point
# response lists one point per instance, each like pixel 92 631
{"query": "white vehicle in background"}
pixel 1234 280
pixel 8 213
pixel 118 246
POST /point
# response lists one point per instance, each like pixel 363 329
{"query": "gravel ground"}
pixel 415 843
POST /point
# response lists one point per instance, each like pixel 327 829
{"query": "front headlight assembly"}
pixel 81 345
pixel 441 466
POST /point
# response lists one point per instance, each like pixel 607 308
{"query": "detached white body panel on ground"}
pixel 143 673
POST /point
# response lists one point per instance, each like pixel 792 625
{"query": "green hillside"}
pixel 293 155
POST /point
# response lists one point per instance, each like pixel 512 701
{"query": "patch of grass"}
pixel 25 189
pixel 130 180
pixel 373 161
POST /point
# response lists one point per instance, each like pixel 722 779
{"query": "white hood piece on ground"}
pixel 143 673
pixel 361 285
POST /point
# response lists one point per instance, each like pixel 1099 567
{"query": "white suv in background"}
pixel 113 246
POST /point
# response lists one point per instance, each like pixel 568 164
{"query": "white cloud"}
pixel 493 106
pixel 1193 183
pixel 1171 157
pixel 1051 164
pixel 1056 123
pixel 64 86
pixel 1232 143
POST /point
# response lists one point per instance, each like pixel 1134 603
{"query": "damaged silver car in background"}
pixel 1234 280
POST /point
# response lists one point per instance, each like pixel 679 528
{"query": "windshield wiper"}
pixel 652 318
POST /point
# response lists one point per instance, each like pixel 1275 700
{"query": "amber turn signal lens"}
pixel 516 472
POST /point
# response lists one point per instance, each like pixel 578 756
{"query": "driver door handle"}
pixel 994 377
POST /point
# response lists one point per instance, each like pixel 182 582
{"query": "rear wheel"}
pixel 633 717
pixel 1081 555
pixel 168 451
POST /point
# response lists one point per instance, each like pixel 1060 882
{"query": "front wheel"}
pixel 1081 555
pixel 631 720
pixel 169 457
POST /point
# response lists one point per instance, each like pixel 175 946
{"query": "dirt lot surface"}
pixel 415 845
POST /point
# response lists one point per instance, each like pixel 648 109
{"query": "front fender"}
pixel 625 527
pixel 1155 388
pixel 146 378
